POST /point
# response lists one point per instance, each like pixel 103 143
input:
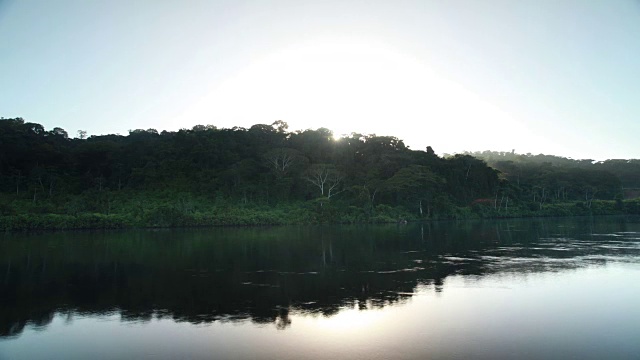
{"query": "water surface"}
pixel 540 288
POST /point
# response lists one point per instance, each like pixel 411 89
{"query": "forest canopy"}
pixel 267 174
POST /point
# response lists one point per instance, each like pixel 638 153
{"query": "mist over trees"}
pixel 567 178
pixel 266 174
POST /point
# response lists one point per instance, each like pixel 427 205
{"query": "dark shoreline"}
pixel 276 217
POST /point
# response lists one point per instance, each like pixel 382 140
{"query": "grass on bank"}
pixel 112 210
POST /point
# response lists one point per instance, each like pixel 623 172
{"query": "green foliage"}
pixel 266 175
pixel 62 222
pixel 632 207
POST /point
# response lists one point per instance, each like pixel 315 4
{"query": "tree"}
pixel 416 183
pixel 197 128
pixel 59 132
pixel 326 178
pixel 281 160
pixel 280 126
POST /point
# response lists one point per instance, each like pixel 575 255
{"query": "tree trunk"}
pixel 373 197
pixel 51 184
pixel 18 183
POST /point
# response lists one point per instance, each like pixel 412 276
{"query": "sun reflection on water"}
pixel 349 320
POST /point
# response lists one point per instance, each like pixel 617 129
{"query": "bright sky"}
pixel 558 77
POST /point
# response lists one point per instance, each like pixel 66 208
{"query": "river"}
pixel 504 289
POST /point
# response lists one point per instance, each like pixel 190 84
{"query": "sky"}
pixel 559 77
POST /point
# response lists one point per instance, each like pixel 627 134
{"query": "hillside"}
pixel 268 175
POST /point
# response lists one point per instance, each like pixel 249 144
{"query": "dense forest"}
pixel 268 175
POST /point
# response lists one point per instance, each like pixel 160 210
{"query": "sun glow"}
pixel 347 321
pixel 351 86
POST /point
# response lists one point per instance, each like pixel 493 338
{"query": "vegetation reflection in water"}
pixel 264 274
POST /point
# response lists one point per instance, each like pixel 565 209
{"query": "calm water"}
pixel 552 288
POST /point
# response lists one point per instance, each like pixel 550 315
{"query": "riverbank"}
pixel 183 211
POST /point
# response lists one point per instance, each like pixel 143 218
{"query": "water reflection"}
pixel 265 274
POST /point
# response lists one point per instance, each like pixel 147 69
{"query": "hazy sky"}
pixel 541 76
